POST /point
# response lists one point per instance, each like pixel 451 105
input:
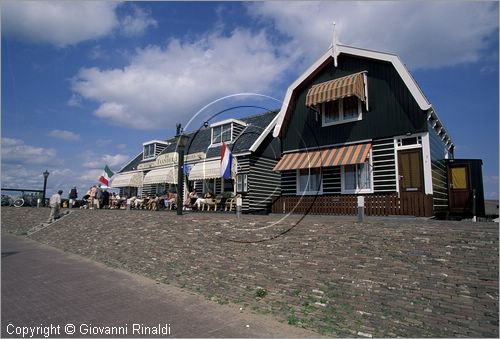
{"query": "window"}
pixel 309 181
pixel 149 151
pixel 410 141
pixel 342 110
pixel 357 178
pixel 221 133
pixel 242 183
pixel 209 185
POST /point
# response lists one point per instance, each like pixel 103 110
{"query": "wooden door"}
pixel 411 175
pixel 459 188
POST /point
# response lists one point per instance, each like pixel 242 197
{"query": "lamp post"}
pixel 45 176
pixel 181 140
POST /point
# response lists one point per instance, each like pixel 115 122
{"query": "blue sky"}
pixel 84 84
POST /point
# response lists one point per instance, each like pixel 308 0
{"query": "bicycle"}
pixel 7 200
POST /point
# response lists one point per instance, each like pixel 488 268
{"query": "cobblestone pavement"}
pixel 70 296
pixel 382 278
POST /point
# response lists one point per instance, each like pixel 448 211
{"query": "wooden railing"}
pixel 415 204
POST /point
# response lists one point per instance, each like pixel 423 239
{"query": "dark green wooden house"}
pixel 356 123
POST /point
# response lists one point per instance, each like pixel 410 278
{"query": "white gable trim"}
pixel 403 72
pixel 264 134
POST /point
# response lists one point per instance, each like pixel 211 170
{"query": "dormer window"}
pixel 226 131
pixel 153 148
pixel 221 133
pixel 339 100
pixel 342 110
pixel 149 151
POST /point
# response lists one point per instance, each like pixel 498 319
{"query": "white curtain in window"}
pixel 364 176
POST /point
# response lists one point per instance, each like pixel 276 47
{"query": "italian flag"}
pixel 106 175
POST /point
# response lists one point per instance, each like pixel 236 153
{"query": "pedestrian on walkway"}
pixel 73 194
pixel 54 203
pixel 93 192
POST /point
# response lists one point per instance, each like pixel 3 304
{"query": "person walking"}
pixel 93 192
pixel 54 203
pixel 73 195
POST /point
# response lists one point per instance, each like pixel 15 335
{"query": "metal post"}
pixel 361 209
pixel 239 203
pixel 180 168
pixel 474 205
pixel 45 176
pixel 180 180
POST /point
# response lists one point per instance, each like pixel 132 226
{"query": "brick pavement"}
pixel 44 287
pixel 386 277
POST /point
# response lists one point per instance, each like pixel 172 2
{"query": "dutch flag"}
pixel 226 158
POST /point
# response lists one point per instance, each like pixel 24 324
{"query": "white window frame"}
pixel 341 120
pixel 297 180
pixel 357 190
pixel 399 142
pixel 144 157
pixel 213 143
pixel 242 180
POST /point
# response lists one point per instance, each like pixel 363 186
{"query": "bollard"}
pixel 38 202
pixel 474 219
pixel 239 203
pixel 361 208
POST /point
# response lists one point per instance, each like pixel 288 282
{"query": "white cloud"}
pixel 60 23
pixel 93 161
pixel 138 22
pixel 75 101
pixel 162 83
pixel 426 34
pixel 65 135
pixel 15 151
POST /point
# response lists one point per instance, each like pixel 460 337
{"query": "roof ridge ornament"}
pixel 334 45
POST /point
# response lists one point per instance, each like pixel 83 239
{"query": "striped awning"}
pixel 329 157
pixel 160 176
pixel 205 170
pixel 347 86
pixel 127 180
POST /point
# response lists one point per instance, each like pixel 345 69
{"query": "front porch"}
pixel 414 203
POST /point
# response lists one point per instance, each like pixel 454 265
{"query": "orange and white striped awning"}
pixel 329 157
pixel 351 85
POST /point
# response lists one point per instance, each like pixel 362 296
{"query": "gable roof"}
pixel 258 127
pixel 400 67
pixel 132 164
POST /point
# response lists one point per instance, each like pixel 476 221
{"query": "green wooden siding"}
pixel 392 108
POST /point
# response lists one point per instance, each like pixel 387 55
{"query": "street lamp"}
pixel 181 140
pixel 45 176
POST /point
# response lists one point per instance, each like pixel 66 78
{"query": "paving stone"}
pixel 396 270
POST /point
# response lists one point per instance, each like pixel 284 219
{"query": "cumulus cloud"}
pixel 15 151
pixel 426 34
pixel 65 135
pixel 93 161
pixel 138 22
pixel 163 83
pixel 60 23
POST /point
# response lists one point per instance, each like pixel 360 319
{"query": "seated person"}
pixel 199 201
pixel 153 203
pixel 131 201
pixel 112 200
pixel 191 199
pixel 169 199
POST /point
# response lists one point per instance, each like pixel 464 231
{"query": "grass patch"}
pixel 260 292
pixel 293 320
